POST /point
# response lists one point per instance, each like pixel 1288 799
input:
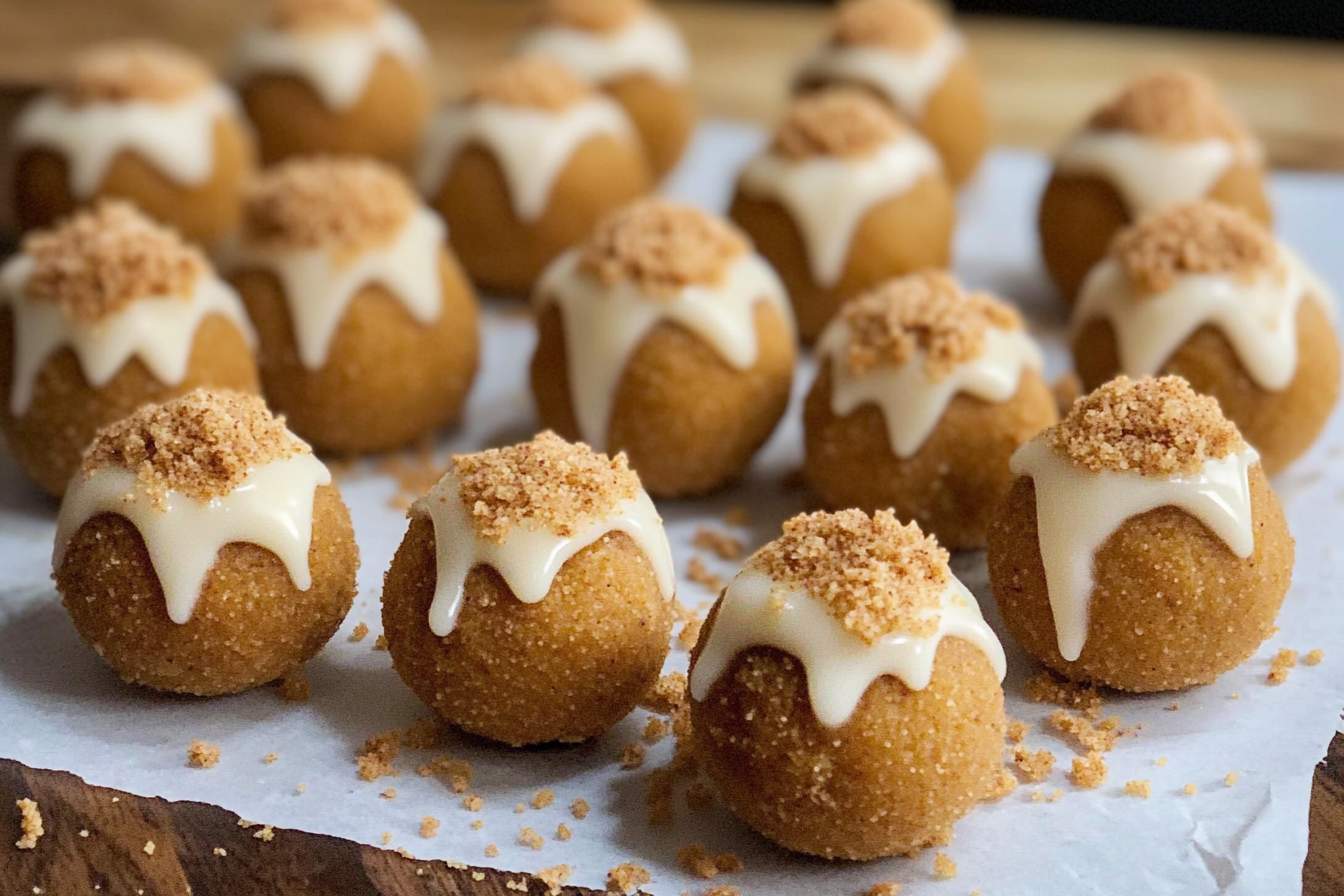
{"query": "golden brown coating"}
pixel 565 668
pixel 127 71
pixel 663 114
pixel 250 625
pixel 1172 607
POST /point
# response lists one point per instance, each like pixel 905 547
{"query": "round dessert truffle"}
pixel 923 393
pixel 632 53
pixel 104 313
pixel 136 120
pixel 334 76
pixel 841 646
pixel 1141 546
pixel 525 165
pixel 369 329
pixel 203 549
pixel 665 337
pixel 1166 138
pixel 1203 291
pixel 844 198
pixel 530 600
pixel 906 53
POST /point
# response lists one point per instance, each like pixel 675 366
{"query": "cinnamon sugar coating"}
pixel 663 247
pixel 840 121
pixel 1154 426
pixel 531 82
pixel 1198 237
pixel 600 16
pixel 99 260
pixel 202 445
pixel 317 16
pixel 926 312
pixel 547 481
pixel 125 71
pixel 326 202
pixel 873 574
pixel 902 25
pixel 1177 105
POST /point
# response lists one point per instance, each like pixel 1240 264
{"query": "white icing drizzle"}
pixel 177 138
pixel 1258 317
pixel 827 197
pixel 604 325
pixel 319 286
pixel 272 508
pixel 532 146
pixel 336 64
pixel 758 612
pixel 159 330
pixel 529 557
pixel 1152 174
pixel 1078 509
pixel 906 79
pixel 910 400
pixel 649 45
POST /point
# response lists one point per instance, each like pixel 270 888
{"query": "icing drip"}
pixel 1077 510
pixel 532 146
pixel 336 64
pixel 910 401
pixel 271 508
pixel 159 330
pixel 529 558
pixel 840 666
pixel 827 197
pixel 907 80
pixel 1151 174
pixel 319 287
pixel 1259 318
pixel 177 138
pixel 604 326
pixel 649 45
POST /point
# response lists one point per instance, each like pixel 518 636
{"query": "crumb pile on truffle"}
pixel 902 25
pixel 531 82
pixel 841 121
pixel 872 574
pixel 1176 106
pixel 1156 427
pixel 663 247
pixel 547 482
pixel 126 71
pixel 1199 237
pixel 202 445
pixel 326 202
pixel 97 261
pixel 317 16
pixel 599 16
pixel 927 312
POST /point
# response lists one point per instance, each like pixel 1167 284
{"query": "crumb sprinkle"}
pixel 1230 779
pixel 202 755
pixel 1033 766
pixel 1284 662
pixel 943 866
pixel 124 71
pixel 1139 788
pixel 1089 771
pixel 554 877
pixel 1200 237
pixel 579 809
pixel 1313 657
pixel 627 877
pixel 530 82
pixel 901 25
pixel 662 247
pixel 632 756
pixel 360 633
pixel 429 827
pixel 843 122
pixel 1175 106
pixel 696 860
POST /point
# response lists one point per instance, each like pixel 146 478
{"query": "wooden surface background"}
pixel 1042 79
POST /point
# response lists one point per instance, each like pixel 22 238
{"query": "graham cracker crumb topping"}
pixel 903 25
pixel 531 82
pixel 202 445
pixel 873 574
pixel 315 16
pixel 100 260
pixel 599 16
pixel 839 121
pixel 662 247
pixel 926 312
pixel 326 202
pixel 563 487
pixel 1156 427
pixel 1177 106
pixel 1193 238
pixel 126 71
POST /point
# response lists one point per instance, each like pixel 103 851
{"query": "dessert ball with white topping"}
pixel 203 549
pixel 530 600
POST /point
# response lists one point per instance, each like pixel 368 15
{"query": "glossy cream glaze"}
pixel 603 326
pixel 756 611
pixel 649 45
pixel 530 556
pixel 1078 509
pixel 159 330
pixel 272 508
pixel 905 79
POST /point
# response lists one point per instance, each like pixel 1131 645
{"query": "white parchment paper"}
pixel 60 708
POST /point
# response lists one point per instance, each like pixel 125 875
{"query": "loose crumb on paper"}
pixel 388 794
pixel 1089 771
pixel 632 756
pixel 429 827
pixel 886 888
pixel 531 839
pixel 554 878
pixel 472 803
pixel 360 633
pixel 1190 789
pixel 579 809
pixel 1035 767
pixel 723 545
pixel 380 643
pixel 1230 779
pixel 944 868
pixel 1139 788
pixel 1314 657
pixel 30 824
pixel 562 832
pixel 627 877
pixel 455 772
pixel 491 851
pixel 1005 782
pixel 1284 662
pixel 202 755
pixel 695 859
pixel 543 798
pixel 698 572
pixel 270 758
pixel 667 694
